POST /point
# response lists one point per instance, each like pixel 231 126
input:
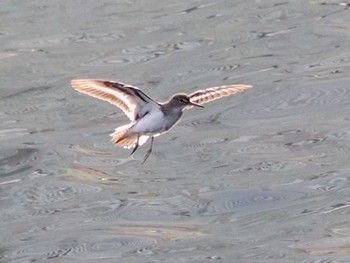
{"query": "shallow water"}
pixel 262 176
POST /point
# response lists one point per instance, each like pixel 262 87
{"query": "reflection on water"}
pixel 261 176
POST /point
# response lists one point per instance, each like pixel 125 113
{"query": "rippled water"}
pixel 259 177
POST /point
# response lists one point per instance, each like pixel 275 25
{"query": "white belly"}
pixel 155 123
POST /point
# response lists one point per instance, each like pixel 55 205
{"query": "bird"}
pixel 148 117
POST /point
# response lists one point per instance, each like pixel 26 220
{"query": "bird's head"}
pixel 183 100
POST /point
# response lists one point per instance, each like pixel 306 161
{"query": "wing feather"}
pixel 210 94
pixel 128 98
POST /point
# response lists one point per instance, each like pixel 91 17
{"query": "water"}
pixel 262 176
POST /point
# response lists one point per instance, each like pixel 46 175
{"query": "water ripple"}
pixel 231 202
pixel 289 102
pixel 52 193
pixel 140 54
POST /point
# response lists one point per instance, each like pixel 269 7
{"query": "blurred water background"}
pixel 258 177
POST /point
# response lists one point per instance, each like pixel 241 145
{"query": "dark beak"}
pixel 195 104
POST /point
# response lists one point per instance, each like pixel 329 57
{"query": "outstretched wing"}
pixel 210 94
pixel 129 99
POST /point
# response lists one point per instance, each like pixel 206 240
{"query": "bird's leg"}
pixel 137 145
pixel 148 152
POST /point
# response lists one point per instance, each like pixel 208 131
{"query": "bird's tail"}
pixel 122 139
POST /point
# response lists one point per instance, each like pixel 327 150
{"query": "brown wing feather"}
pixel 210 94
pixel 128 98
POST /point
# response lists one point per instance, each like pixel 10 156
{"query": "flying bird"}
pixel 148 117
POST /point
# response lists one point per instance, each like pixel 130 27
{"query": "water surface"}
pixel 258 177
